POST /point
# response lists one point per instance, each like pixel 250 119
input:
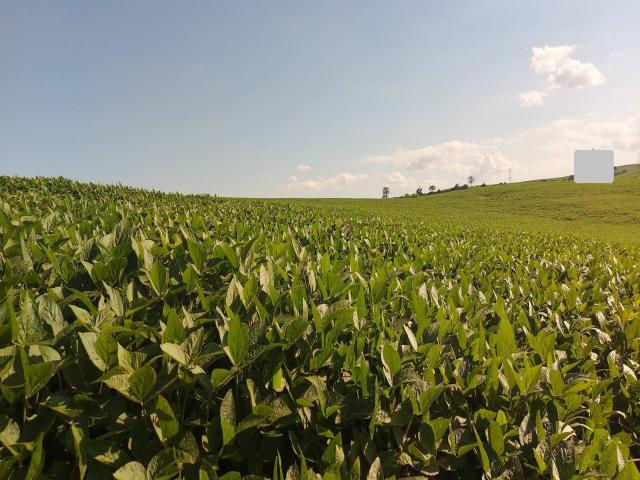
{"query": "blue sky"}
pixel 314 98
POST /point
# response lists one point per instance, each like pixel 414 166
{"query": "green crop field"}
pixel 485 333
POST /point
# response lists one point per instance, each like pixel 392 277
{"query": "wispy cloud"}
pixel 325 183
pixel 450 161
pixel 532 98
pixel 400 180
pixel 303 168
pixel 547 151
pixel 544 151
pixel 561 72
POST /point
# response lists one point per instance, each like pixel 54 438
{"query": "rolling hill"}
pixel 607 212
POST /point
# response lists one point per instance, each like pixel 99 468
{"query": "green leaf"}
pixel 62 405
pixel 496 439
pixel 228 417
pixel 174 333
pixel 115 301
pixel 176 353
pixel 484 458
pixel 36 463
pixel 27 326
pixel 375 471
pixel 277 381
pixel 556 381
pixel 163 465
pixel 88 340
pixel 220 377
pixel 506 340
pixel 628 472
pixel 198 255
pixel 80 447
pixel 131 471
pixel 158 278
pixel 391 361
pixel 36 376
pixel 9 433
pixel 50 313
pixel 230 254
pixel 141 382
pixel 237 340
pixel 163 419
pixel 118 379
pixel 129 361
pixel 295 330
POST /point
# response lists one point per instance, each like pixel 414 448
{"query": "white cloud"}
pixel 561 72
pixel 540 152
pixel 574 74
pixel 326 183
pixel 398 179
pixel 532 98
pixel 303 168
pixel 547 151
pixel 451 162
pixel 547 59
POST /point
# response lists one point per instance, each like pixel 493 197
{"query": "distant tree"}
pixel 385 192
pixel 419 191
pixel 456 186
pixel 470 180
pixel 432 188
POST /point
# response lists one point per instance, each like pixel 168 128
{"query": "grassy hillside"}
pixel 609 212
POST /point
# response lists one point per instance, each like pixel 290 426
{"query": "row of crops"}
pixel 146 335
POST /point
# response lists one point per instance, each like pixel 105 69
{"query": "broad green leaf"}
pixel 80 447
pixel 228 417
pixel 198 254
pixel 484 458
pixel 375 470
pixel 164 420
pixel 220 377
pixel 9 433
pixel 506 340
pixel 131 471
pixel 496 439
pixel 163 465
pixel 88 340
pixel 62 405
pixel 158 278
pixel 391 361
pixel 628 472
pixel 39 376
pixel 26 326
pixel 237 340
pixel 51 313
pixel 141 382
pixel 176 353
pixel 174 333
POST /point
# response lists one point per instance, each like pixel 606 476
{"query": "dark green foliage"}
pixel 149 336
